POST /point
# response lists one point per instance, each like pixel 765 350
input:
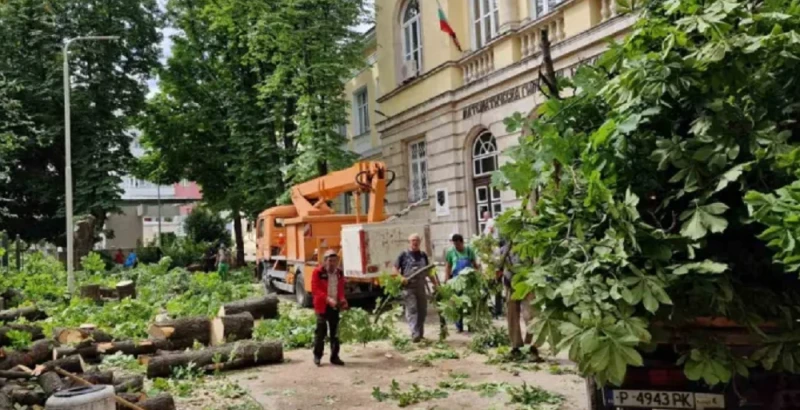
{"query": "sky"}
pixel 168 32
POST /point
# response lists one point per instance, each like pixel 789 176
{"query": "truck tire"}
pixel 593 396
pixel 303 298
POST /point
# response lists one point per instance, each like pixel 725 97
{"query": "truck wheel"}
pixel 303 298
pixel 593 395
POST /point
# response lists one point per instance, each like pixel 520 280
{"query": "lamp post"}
pixel 68 156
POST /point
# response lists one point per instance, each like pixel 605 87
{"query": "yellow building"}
pixel 362 91
pixel 443 131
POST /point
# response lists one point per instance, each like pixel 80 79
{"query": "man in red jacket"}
pixel 327 290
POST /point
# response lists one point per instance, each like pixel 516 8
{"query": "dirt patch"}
pixel 298 384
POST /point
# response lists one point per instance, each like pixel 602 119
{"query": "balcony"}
pixel 608 9
pixel 478 65
pixel 531 35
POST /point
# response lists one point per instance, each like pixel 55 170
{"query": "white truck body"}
pixel 371 249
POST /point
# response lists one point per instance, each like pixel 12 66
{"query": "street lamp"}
pixel 68 155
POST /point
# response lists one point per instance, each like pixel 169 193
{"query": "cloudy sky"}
pixel 166 42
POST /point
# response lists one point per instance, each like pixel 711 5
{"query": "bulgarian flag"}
pixel 445 26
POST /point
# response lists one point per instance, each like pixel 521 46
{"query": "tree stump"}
pixel 265 307
pixel 126 289
pixel 161 402
pixel 182 332
pixel 86 334
pixel 226 357
pixel 91 292
pixel 231 328
pixel 51 383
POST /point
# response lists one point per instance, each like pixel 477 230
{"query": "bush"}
pixel 202 225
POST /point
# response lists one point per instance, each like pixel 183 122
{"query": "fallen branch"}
pixel 31 313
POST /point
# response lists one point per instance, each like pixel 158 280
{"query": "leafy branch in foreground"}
pixel 640 191
pixel 406 398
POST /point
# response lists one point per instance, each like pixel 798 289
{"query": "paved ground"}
pixel 298 384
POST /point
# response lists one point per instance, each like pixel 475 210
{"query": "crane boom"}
pixel 309 198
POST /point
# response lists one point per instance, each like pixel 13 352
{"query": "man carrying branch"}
pixel 327 291
pixel 415 298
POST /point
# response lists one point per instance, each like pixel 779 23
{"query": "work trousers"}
pixel 329 319
pixel 519 309
pixel 415 301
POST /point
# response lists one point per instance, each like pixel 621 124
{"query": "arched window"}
pixel 485 14
pixel 412 34
pixel 484 154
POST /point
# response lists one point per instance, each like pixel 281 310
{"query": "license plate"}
pixel 666 399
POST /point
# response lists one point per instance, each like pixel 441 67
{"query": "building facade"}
pixel 442 128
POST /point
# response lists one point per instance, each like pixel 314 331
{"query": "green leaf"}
pixel 703 267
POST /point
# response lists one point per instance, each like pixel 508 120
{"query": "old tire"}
pixel 303 298
pixel 594 397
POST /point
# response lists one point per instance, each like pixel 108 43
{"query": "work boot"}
pixel 317 361
pixel 337 361
pixel 416 339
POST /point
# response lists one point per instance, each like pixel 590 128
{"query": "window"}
pixel 484 154
pixel 419 171
pixel 543 7
pixel 361 112
pixel 486 15
pixel 260 229
pixel 412 34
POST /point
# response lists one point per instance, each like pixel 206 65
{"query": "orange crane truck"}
pixel 291 239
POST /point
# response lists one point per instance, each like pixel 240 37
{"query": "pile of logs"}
pixel 124 289
pixel 29 376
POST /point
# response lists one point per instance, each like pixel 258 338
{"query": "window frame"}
pixel 418 191
pixel 547 7
pixel 361 112
pixel 408 28
pixel 479 19
pixel 478 159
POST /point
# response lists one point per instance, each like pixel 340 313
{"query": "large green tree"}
pixel 647 179
pixel 108 88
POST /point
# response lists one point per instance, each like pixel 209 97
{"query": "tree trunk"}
pixel 126 289
pixel 27 397
pixel 91 292
pixel 130 347
pixel 131 397
pixel 82 337
pixel 107 293
pixel 35 331
pixel 265 307
pixel 129 384
pixel 237 229
pixel 51 383
pixel 231 328
pixel 30 313
pixel 40 352
pixel 11 375
pixel 161 402
pixel 94 377
pixel 182 332
pixel 72 364
pixel 227 357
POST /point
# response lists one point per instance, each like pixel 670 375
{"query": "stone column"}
pixel 509 15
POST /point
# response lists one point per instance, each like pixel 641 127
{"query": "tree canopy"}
pixel 108 88
pixel 647 190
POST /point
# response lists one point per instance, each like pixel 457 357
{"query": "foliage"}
pixel 126 319
pixel 441 351
pixel 93 263
pixel 402 344
pixel 457 381
pixel 294 327
pixel 639 180
pixel 184 252
pixel 409 397
pixel 358 326
pixel 490 338
pixel 108 89
pixel 467 296
pixel 534 398
pixel 204 226
pixel 19 339
pixel 207 292
pixel 121 361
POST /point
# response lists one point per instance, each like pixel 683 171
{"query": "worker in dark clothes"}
pixel 327 291
pixel 415 297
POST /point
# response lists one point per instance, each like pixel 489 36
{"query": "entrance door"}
pixel 487 198
pixel 484 162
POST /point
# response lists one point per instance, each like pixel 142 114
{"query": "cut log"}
pixel 131 397
pixel 132 348
pixel 126 289
pixel 129 384
pixel 184 330
pixel 85 334
pixel 5 402
pixel 31 313
pixel 163 401
pixel 230 356
pixel 11 374
pixel 51 383
pixel 95 377
pixel 72 364
pixel 35 331
pixel 27 397
pixel 91 292
pixel 108 294
pixel 265 307
pixel 231 328
pixel 40 352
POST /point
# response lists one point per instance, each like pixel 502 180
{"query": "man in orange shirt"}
pixel 327 292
